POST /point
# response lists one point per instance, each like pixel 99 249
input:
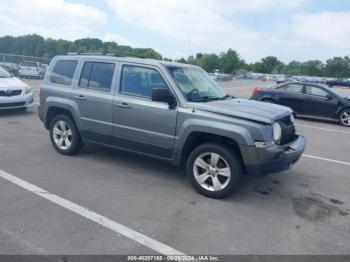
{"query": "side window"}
pixel 293 88
pixel 97 75
pixel 316 91
pixel 63 72
pixel 140 81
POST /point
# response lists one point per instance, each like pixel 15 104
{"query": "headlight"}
pixel 292 118
pixel 277 131
pixel 27 89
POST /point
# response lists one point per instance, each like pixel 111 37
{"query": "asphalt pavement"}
pixel 301 211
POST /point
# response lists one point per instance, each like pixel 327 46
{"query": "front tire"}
pixel 344 117
pixel 64 135
pixel 214 170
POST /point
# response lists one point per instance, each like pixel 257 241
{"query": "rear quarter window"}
pixel 63 72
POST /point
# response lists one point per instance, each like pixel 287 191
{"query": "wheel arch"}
pixel 197 138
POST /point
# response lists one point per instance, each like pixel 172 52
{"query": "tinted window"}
pixel 97 75
pixel 292 88
pixel 63 72
pixel 316 91
pixel 140 81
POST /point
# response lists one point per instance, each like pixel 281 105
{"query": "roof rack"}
pixel 96 53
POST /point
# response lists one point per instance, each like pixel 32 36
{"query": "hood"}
pixel 11 83
pixel 247 109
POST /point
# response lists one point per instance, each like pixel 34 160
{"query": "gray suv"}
pixel 170 111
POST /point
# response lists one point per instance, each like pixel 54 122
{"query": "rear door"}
pixel 320 102
pixel 141 124
pixel 94 96
pixel 291 95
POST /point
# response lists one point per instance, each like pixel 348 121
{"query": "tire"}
pixel 268 100
pixel 344 117
pixel 227 158
pixel 70 143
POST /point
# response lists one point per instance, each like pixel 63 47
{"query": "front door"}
pixel 141 124
pixel 320 102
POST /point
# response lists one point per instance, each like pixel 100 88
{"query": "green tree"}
pixel 230 61
pixel 269 65
pixel 312 68
pixel 337 67
pixel 293 68
pixel 209 62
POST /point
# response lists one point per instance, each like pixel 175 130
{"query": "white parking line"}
pixel 91 215
pixel 327 159
pixel 324 129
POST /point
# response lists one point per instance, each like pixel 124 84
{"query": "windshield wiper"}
pixel 203 98
pixel 226 96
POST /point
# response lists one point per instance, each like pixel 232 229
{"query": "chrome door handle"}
pixel 80 97
pixel 123 105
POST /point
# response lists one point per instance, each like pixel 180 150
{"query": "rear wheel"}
pixel 344 117
pixel 214 170
pixel 64 135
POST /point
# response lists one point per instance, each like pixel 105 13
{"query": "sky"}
pixel 289 29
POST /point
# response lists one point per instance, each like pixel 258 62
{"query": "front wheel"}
pixel 214 170
pixel 64 135
pixel 344 117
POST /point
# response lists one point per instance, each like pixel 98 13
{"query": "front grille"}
pixel 288 130
pixel 9 93
pixel 12 104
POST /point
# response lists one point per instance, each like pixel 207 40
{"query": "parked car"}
pixel 338 82
pixel 14 94
pixel 31 69
pixel 170 111
pixel 12 68
pixel 308 99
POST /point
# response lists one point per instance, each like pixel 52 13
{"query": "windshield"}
pixel 4 73
pixel 29 64
pixel 196 84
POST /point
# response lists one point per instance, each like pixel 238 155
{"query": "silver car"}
pixel 14 94
pixel 170 111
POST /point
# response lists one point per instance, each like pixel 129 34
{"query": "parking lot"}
pixel 128 204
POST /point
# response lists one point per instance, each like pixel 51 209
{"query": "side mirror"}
pixel 163 95
pixel 329 97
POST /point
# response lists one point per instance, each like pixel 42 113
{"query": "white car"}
pixel 31 69
pixel 14 94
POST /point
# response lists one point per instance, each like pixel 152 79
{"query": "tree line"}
pixel 35 45
pixel 230 61
pixel 227 62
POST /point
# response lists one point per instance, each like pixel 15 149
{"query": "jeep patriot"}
pixel 170 111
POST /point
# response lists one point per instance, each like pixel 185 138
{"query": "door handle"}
pixel 123 105
pixel 80 97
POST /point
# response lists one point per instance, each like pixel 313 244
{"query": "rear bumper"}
pixel 16 102
pixel 275 158
pixel 29 74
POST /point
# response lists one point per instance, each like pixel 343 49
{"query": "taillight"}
pixel 256 91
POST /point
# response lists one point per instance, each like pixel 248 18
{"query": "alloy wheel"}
pixel 211 171
pixel 62 134
pixel 345 118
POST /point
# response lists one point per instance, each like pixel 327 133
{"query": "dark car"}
pixel 308 100
pixel 338 82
